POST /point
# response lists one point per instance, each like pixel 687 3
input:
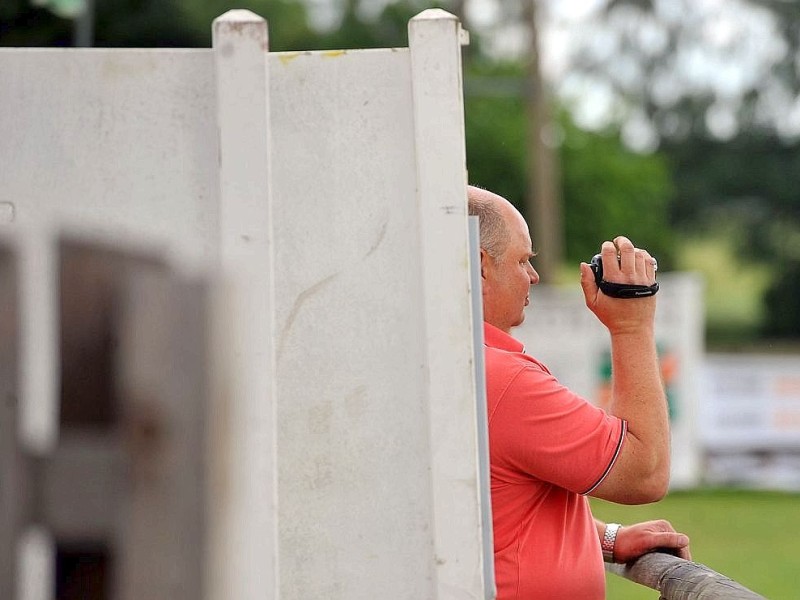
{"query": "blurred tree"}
pixel 67 9
pixel 144 24
pixel 544 201
pixel 679 69
pixel 359 25
pixel 782 304
pixel 610 190
pixel 607 188
pixel 495 128
pixel 356 29
pixel 717 88
pixel 289 20
pixel 749 186
pixel 753 178
pixel 151 23
pixel 22 24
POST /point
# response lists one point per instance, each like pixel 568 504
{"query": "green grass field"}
pixel 752 537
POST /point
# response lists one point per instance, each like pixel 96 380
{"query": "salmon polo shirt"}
pixel 548 449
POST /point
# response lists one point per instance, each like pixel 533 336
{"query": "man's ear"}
pixel 484 263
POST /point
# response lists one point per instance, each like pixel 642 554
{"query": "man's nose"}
pixel 533 275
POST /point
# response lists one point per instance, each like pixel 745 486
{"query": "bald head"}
pixel 491 212
pixel 506 270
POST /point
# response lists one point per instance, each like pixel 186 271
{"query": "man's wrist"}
pixel 638 333
pixel 609 540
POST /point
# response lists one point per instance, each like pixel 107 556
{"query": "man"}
pixel 549 448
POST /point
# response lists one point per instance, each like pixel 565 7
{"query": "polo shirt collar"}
pixel 496 338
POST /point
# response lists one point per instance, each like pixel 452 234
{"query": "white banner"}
pixel 750 402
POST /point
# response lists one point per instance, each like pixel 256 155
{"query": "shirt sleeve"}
pixel 541 429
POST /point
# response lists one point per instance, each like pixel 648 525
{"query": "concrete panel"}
pixel 331 189
pixel 353 451
pixel 119 144
pixel 115 142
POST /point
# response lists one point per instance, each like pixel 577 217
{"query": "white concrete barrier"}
pixel 329 188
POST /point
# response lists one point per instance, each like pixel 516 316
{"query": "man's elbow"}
pixel 647 473
pixel 635 486
pixel 649 490
pixel 649 487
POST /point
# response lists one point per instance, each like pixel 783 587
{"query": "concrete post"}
pixel 243 527
pixel 435 39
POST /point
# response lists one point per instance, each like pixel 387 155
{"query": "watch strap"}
pixel 609 540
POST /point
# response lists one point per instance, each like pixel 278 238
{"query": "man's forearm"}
pixel 638 397
pixel 641 470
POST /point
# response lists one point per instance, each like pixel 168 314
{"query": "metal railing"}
pixel 678 579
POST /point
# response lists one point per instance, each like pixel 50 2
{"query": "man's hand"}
pixel 634 266
pixel 641 538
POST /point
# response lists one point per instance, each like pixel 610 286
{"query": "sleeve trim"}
pixel 623 431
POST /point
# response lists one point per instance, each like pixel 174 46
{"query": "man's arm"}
pixel 641 472
pixel 634 540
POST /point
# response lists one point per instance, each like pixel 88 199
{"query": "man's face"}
pixel 507 279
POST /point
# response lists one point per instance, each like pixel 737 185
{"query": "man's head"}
pixel 506 250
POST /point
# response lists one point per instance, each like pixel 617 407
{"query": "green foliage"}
pixel 151 23
pixel 609 190
pixel 754 176
pixel 496 127
pixel 782 302
pixel 355 30
pixel 187 23
pixel 143 24
pixel 289 27
pixel 734 286
pixel 67 9
pixel 388 28
pixel 747 189
pixel 22 24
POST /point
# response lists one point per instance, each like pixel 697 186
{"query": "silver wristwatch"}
pixel 609 539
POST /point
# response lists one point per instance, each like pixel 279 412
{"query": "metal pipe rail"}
pixel 679 579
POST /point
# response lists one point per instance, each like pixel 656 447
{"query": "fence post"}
pixel 37 410
pixel 243 518
pixel 679 579
pixel 435 39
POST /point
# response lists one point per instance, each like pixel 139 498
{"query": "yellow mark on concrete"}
pixel 287 57
pixel 334 53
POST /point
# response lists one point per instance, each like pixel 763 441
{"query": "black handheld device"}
pixel 619 290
